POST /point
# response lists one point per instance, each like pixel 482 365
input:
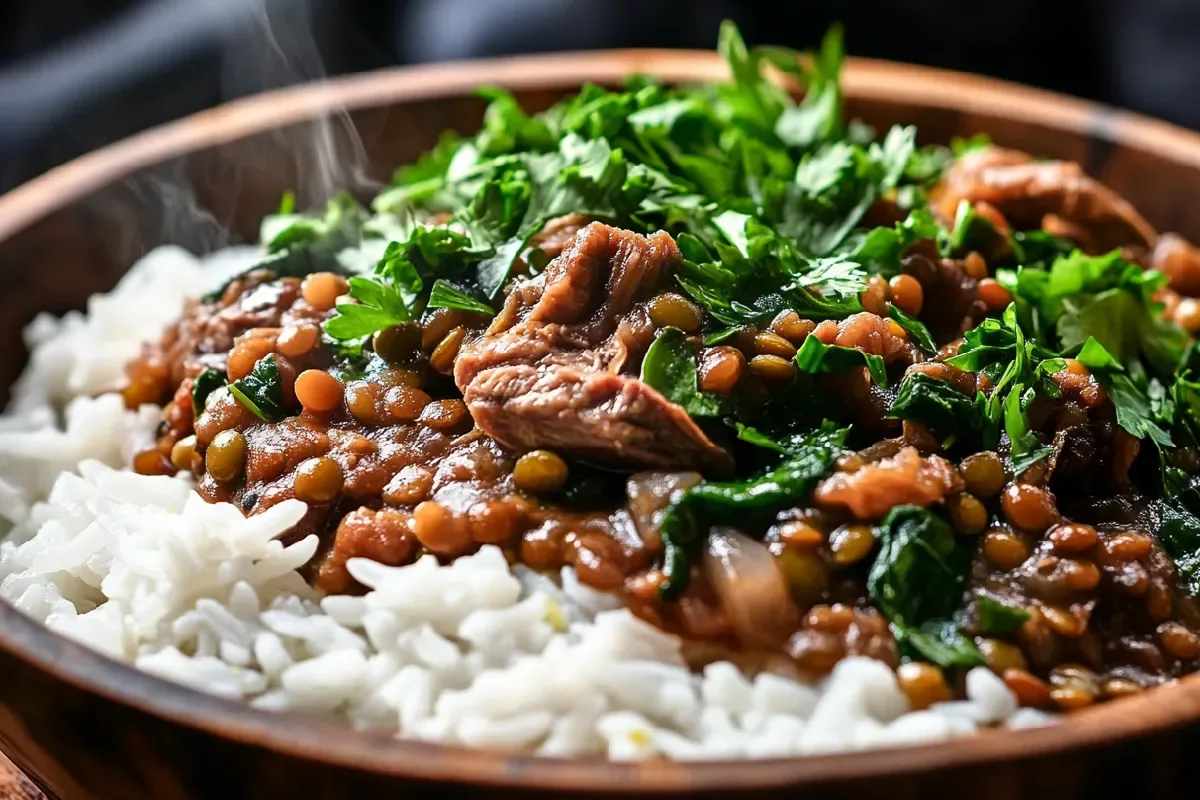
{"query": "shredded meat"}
pixel 1025 191
pixel 549 373
pixel 905 479
pixel 558 233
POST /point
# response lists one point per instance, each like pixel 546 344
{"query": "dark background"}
pixel 77 74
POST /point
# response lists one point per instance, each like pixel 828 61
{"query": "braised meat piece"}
pixel 1026 191
pixel 551 372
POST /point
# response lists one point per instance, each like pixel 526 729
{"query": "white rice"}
pixel 473 653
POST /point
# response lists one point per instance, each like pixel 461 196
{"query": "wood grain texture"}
pixel 91 729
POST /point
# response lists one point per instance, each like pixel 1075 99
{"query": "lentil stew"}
pixel 784 386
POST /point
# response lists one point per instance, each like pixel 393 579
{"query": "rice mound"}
pixel 476 652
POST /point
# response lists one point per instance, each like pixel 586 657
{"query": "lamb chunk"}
pixel 1026 191
pixel 550 373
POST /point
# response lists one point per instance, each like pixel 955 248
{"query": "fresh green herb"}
pixel 206 383
pixel 816 357
pixel 1105 298
pixel 670 367
pixel 261 392
pixel 917 581
pixel 1022 368
pixel 818 118
pixel 1135 412
pixel 994 618
pixel 446 295
pixel 961 147
pixel 688 518
pixel 881 249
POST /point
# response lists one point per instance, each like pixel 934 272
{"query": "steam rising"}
pixel 274 49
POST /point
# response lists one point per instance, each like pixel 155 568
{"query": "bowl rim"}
pixel 336 744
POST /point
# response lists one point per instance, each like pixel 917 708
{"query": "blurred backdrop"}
pixel 77 74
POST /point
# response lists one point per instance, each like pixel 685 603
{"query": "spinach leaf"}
pixel 915 329
pixel 994 618
pixel 816 357
pixel 917 582
pixel 670 367
pixel 1179 535
pixel 938 406
pixel 688 518
pixel 261 392
pixel 206 383
pixel 447 295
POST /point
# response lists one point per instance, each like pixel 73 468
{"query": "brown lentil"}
pixel 1031 691
pixel 1001 656
pixel 226 456
pixel 1063 622
pixel 318 391
pixel 923 684
pixel 772 368
pixel 444 414
pixel 540 472
pixel 1073 686
pixel 984 474
pixel 907 294
pixel 404 403
pixel 1178 640
pixel 409 486
pixel 1079 576
pixel 975 266
pixel 772 344
pixel 398 344
pixel 967 514
pixel 493 521
pixel 1127 546
pixel 789 325
pixel 1119 687
pixel 799 533
pixel 318 480
pixel 720 369
pixel 296 340
pixel 851 543
pixel 993 295
pixel 362 400
pixel 152 462
pixel 806 574
pixel 1005 549
pixel 440 530
pixel 322 289
pixel 1029 507
pixel 1072 537
pixel 244 355
pixel 874 297
pixel 674 310
pixel 183 454
pixel 442 358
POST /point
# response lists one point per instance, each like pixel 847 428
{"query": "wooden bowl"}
pixel 87 727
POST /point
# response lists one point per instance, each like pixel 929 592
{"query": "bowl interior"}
pixel 207 181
